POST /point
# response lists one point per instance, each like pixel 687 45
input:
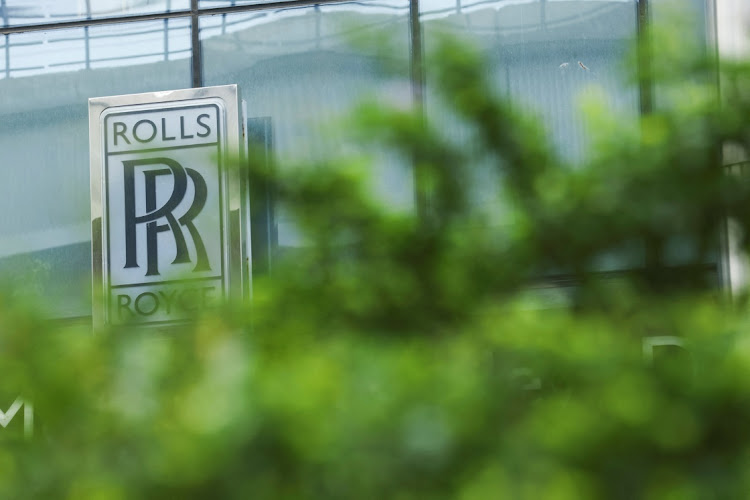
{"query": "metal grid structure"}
pixel 197 10
pixel 12 20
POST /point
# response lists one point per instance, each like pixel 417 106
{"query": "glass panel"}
pixel 731 28
pixel 686 24
pixel 544 55
pixel 44 168
pixel 43 52
pixel 683 24
pixel 298 72
pixel 692 14
pixel 26 12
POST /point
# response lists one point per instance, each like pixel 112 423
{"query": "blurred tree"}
pixel 413 354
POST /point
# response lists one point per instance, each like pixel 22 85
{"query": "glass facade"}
pixel 547 55
pixel 35 12
pixel 44 91
pixel 298 71
pixel 299 80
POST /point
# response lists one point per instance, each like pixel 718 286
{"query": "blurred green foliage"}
pixel 417 354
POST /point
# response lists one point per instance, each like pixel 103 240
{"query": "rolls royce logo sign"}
pixel 165 199
pixel 166 211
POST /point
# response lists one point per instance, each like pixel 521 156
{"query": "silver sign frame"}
pixel 235 268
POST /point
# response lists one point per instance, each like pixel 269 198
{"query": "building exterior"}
pixel 300 65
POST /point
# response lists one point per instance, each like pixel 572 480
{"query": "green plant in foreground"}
pixel 412 354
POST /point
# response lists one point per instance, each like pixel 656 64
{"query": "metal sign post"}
pixel 165 204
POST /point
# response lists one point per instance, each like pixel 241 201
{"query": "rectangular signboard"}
pixel 165 205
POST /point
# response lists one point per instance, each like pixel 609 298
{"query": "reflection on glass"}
pixel 298 72
pixel 44 179
pixel 43 52
pixel 127 45
pixel 210 4
pixel 545 56
pixel 25 12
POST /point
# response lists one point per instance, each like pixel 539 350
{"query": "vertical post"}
pixel 166 39
pixel 645 90
pixel 166 32
pixel 316 7
pixel 87 45
pixel 417 78
pixel 4 9
pixel 653 242
pixel 197 61
pixel 416 54
pixel 7 56
pixel 87 50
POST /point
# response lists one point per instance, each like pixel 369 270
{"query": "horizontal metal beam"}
pixel 91 22
pixel 78 23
